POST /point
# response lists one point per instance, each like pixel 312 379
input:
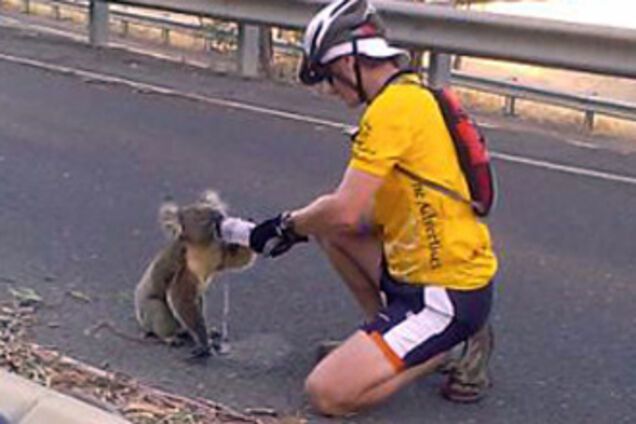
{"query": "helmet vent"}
pixel 314 40
pixel 366 30
pixel 338 8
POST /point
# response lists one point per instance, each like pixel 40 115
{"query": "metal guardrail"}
pixel 579 47
pixel 443 30
pixel 590 48
pixel 589 105
pixel 165 24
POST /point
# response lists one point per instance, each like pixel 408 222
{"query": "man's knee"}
pixel 325 399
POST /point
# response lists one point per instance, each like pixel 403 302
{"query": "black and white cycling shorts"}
pixel 421 321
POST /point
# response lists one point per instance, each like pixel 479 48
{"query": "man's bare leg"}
pixel 358 375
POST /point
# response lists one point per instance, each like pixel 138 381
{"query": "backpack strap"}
pixel 479 208
pixel 452 194
pixel 436 186
pixel 412 175
pixel 353 131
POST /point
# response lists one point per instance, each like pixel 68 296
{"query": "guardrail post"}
pixel 98 23
pixel 510 102
pixel 439 70
pixel 249 50
pixel 57 14
pixel 165 36
pixel 266 50
pixel 588 121
pixel 510 106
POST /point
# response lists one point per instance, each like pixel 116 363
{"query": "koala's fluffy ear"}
pixel 211 199
pixel 169 219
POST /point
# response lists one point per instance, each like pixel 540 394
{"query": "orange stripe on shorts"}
pixel 396 361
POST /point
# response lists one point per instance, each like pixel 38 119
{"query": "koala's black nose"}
pixel 215 220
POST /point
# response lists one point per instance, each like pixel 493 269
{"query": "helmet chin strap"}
pixel 357 84
pixel 362 96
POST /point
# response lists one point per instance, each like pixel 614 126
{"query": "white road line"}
pixel 564 168
pixel 584 144
pixel 151 88
pixel 488 125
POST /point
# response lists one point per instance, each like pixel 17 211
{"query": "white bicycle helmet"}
pixel 344 27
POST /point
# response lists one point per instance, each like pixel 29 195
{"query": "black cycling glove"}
pixel 275 236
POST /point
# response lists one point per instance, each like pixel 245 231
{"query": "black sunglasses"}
pixel 323 74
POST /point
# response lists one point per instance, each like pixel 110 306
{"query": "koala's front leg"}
pixel 186 301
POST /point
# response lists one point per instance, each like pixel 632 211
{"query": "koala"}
pixel 169 298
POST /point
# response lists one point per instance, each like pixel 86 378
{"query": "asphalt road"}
pixel 84 166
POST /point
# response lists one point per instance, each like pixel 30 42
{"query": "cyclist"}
pixel 418 261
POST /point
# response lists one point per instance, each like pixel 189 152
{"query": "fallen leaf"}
pixel 80 296
pixel 144 407
pixel 25 296
pixel 269 412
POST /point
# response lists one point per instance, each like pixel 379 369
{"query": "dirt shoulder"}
pixel 111 391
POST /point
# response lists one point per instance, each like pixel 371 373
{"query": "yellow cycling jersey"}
pixel 428 236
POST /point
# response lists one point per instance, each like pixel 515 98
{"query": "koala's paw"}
pixel 176 341
pixel 199 354
pixel 219 343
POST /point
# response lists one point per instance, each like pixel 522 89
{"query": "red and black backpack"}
pixel 472 154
